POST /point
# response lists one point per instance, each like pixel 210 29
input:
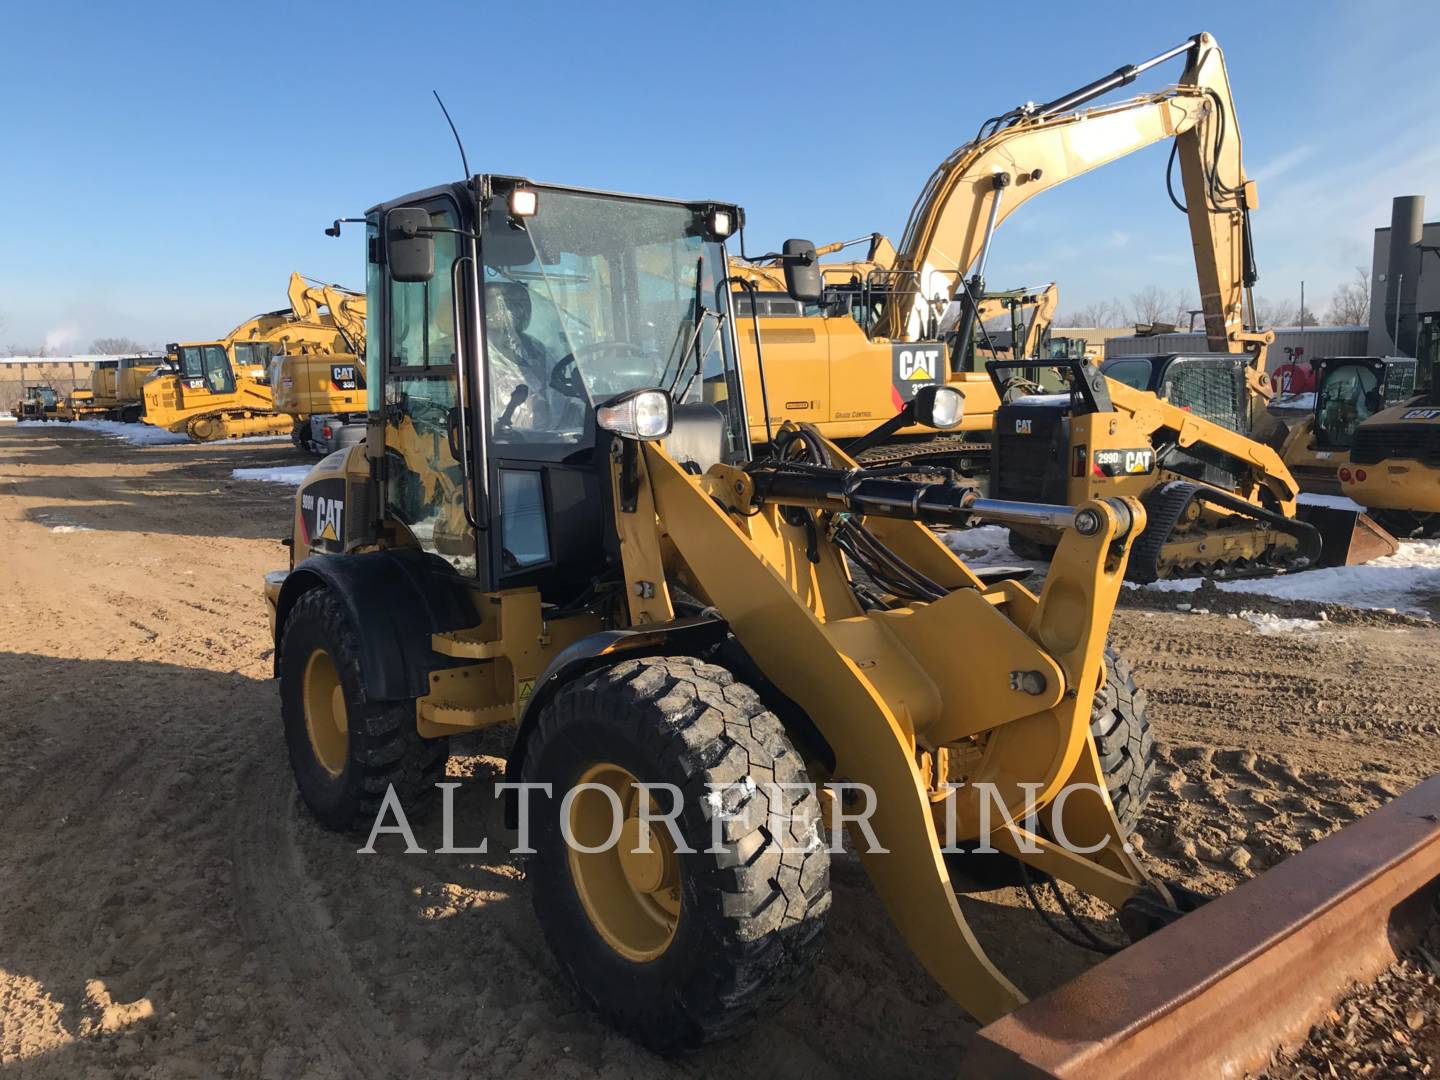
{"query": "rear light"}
pixel 326 432
pixel 1360 475
pixel 1078 461
pixel 1345 476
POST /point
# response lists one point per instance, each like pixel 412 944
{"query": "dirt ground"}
pixel 167 909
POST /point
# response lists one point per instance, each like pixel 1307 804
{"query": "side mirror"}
pixel 803 280
pixel 409 246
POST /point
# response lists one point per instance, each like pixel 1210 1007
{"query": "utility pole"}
pixel 1302 305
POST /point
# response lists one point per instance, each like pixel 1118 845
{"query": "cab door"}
pixel 424 483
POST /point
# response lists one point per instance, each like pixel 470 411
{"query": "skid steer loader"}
pixel 555 522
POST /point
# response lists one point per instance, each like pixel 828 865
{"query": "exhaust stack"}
pixel 1402 272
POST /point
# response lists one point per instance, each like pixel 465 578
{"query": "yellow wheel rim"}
pixel 325 718
pixel 631 890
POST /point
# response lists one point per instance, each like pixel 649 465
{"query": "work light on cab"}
pixel 640 414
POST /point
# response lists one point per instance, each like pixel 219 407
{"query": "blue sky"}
pixel 166 167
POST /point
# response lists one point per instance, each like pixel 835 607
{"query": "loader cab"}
pixel 1351 389
pixel 508 314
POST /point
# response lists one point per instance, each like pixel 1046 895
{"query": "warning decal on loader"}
pixel 913 366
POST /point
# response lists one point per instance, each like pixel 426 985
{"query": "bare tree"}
pixel 1099 313
pixel 1350 306
pixel 1153 304
pixel 1272 313
pixel 116 346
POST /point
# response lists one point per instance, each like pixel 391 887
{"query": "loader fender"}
pixel 689 636
pixel 396 600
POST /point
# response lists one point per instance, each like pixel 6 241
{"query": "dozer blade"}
pixel 1348 536
pixel 1213 994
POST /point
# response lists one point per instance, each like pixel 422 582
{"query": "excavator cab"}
pixel 1351 389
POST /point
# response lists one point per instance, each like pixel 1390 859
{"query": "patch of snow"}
pixel 1267 623
pixel 134 434
pixel 291 475
pixel 988 547
pixel 70 528
pixel 1293 402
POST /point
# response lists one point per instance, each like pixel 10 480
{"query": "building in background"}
pixel 1405 281
pixel 1292 344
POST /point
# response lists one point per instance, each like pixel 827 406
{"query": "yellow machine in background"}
pixel 324 393
pixel 222 389
pixel 916 302
pixel 38 403
pixel 116 390
pixel 1218 501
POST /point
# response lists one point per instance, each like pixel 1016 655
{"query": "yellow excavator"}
pixel 1231 501
pixel 709 660
pixel 323 392
pixel 222 389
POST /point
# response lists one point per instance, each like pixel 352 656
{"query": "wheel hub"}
pixel 326 718
pixel 630 890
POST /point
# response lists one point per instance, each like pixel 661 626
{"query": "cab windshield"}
pixel 208 363
pixel 48 397
pixel 595 296
pixel 1349 395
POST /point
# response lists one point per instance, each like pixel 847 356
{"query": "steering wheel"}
pixel 565 376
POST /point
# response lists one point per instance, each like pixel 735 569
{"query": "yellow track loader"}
pixel 222 389
pixel 709 660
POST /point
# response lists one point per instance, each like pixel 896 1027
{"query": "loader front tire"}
pixel 1123 740
pixel 680 947
pixel 346 750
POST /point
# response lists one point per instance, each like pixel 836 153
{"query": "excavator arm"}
pixel 346 309
pixel 1033 148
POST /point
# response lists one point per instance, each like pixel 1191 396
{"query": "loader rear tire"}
pixel 345 750
pixel 700 945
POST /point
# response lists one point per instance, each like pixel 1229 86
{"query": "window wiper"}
pixel 700 354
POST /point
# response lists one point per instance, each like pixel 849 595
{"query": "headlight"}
pixel 640 414
pixel 940 407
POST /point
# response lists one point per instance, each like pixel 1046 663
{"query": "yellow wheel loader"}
pixel 556 523
pixel 38 403
pixel 1374 436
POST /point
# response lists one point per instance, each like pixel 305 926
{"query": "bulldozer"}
pixel 222 389
pixel 709 660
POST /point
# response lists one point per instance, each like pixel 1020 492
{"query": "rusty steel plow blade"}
pixel 1213 994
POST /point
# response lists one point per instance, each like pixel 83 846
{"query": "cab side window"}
pixel 422 313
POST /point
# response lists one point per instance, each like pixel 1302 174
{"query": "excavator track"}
pixel 953 451
pixel 222 424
